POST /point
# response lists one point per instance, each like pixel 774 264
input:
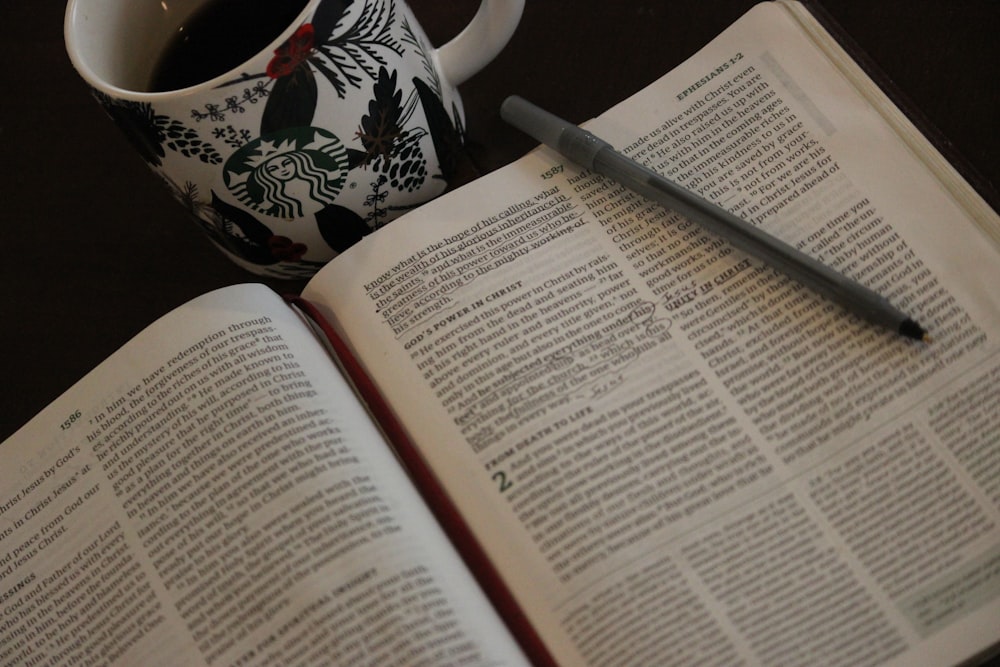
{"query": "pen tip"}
pixel 911 329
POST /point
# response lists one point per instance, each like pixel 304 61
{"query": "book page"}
pixel 214 494
pixel 671 449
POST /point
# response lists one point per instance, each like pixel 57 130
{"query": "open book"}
pixel 602 436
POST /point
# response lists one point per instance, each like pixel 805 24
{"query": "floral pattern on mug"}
pixel 150 132
pixel 284 175
pixel 331 130
pixel 292 53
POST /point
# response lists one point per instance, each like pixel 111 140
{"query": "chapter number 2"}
pixel 501 479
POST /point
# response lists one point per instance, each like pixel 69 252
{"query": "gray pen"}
pixel 585 149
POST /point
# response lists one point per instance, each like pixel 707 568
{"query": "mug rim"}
pixel 74 51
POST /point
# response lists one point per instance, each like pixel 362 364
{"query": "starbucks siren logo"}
pixel 288 173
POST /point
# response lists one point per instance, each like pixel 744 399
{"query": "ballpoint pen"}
pixel 585 149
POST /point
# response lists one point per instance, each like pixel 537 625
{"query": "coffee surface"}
pixel 218 38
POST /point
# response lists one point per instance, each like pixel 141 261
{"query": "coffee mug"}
pixel 287 129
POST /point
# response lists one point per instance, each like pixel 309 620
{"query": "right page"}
pixel 673 453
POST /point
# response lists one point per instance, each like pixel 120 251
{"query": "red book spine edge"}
pixel 434 495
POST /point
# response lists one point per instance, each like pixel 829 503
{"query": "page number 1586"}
pixel 72 419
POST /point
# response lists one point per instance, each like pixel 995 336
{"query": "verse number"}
pixel 72 419
pixel 501 479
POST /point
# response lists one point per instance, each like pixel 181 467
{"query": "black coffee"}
pixel 219 37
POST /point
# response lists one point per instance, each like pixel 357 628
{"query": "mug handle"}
pixel 480 42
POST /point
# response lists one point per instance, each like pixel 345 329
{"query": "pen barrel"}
pixel 815 275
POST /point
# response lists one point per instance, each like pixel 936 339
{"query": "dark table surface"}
pixel 94 248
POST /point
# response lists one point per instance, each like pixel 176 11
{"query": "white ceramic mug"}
pixel 343 121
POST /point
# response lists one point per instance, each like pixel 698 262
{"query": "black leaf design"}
pixel 327 16
pixel 185 141
pixel 292 101
pixel 356 158
pixel 340 227
pixel 380 130
pixel 252 244
pixel 360 49
pixel 447 139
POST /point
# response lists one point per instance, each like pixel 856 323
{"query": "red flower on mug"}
pixel 292 53
pixel 283 249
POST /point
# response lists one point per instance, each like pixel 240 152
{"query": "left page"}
pixel 214 494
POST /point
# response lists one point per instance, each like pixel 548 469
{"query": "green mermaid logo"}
pixel 288 173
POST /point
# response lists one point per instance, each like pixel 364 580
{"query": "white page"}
pixel 214 493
